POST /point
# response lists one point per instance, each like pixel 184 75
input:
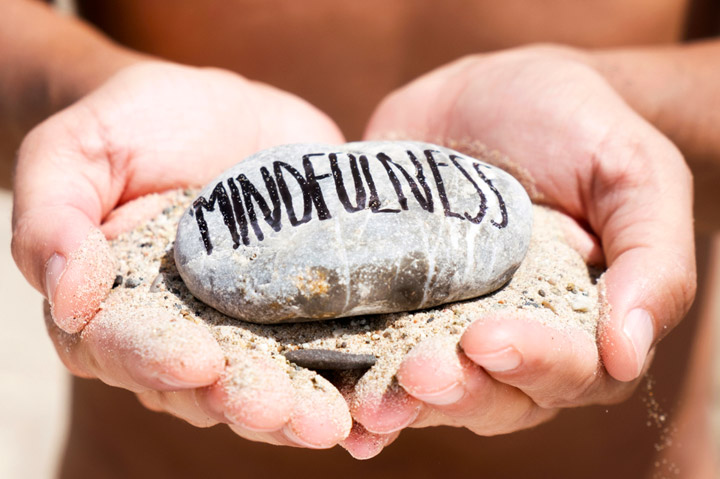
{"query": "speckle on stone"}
pixel 132 283
pixel 118 281
pixel 311 232
pixel 325 359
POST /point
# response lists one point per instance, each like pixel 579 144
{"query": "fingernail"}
pixel 640 331
pixel 290 434
pixel 54 269
pixel 449 395
pixel 505 359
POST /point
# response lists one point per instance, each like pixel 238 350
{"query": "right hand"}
pixel 581 150
pixel 153 127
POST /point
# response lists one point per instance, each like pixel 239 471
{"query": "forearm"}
pixel 677 89
pixel 47 61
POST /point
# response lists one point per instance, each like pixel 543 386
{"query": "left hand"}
pixel 84 173
pixel 584 152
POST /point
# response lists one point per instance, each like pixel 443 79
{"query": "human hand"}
pixel 577 147
pixel 153 127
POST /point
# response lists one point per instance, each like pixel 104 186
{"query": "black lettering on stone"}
pixel 250 193
pixel 434 167
pixel 360 195
pixel 374 202
pixel 386 162
pixel 501 201
pixel 239 208
pixel 239 211
pixel 219 196
pixel 425 202
pixel 477 219
pixel 313 186
pixel 287 197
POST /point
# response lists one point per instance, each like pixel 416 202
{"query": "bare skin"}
pixel 108 183
pixel 344 57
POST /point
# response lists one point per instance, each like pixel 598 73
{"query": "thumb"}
pixel 643 205
pixel 56 213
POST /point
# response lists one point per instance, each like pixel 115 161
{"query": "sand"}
pixel 553 285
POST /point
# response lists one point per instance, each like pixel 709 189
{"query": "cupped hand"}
pixel 153 127
pixel 579 148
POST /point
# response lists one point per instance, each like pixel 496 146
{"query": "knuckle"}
pixel 575 392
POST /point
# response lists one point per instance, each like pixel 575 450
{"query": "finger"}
pixel 253 393
pixel 556 368
pixel 458 392
pixel 363 444
pixel 384 413
pixel 148 349
pixel 644 215
pixel 320 417
pixel 254 396
pixel 140 354
pixel 62 190
pixel 582 241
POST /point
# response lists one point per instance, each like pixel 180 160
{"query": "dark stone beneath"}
pixel 330 360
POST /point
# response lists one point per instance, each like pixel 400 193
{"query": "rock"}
pixel 327 359
pixel 309 231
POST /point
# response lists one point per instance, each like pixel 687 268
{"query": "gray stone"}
pixel 310 231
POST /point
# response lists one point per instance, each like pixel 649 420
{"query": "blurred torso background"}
pixel 344 56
